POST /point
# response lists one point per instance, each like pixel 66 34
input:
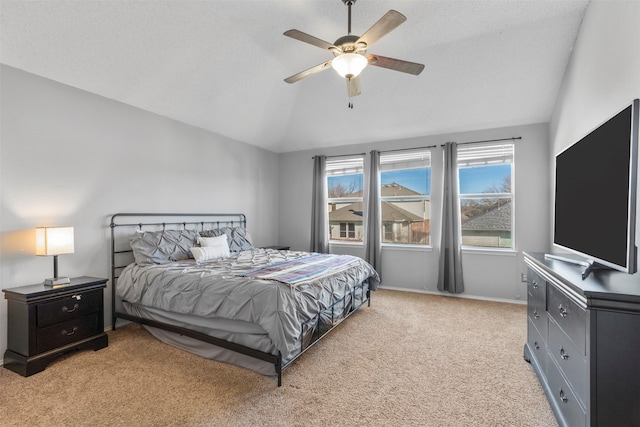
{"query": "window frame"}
pixel 489 160
pixel 407 159
pixel 341 166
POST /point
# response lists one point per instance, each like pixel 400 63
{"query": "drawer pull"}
pixel 66 309
pixel 562 310
pixel 64 331
pixel 534 285
pixel 536 345
pixel 563 397
pixel 563 354
pixel 535 314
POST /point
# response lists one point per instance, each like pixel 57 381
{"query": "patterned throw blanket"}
pixel 302 269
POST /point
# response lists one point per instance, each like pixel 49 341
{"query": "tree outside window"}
pixel 344 194
pixel 486 198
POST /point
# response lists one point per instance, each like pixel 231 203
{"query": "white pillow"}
pixel 214 241
pixel 206 253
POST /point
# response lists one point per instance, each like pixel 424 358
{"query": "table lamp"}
pixel 54 241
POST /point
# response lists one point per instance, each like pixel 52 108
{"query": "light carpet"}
pixel 408 360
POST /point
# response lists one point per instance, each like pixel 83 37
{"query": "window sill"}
pixel 487 251
pixel 347 244
pixel 400 247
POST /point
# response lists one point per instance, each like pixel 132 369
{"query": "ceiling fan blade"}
pixel 306 73
pixel 304 37
pixel 395 64
pixel 384 26
pixel 353 86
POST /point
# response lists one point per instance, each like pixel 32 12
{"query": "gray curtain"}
pixel 373 245
pixel 450 271
pixel 319 215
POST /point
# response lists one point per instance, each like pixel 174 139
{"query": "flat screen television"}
pixel 595 194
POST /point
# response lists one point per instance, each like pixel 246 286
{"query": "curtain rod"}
pixel 406 149
pixel 343 155
pixel 428 146
pixel 487 140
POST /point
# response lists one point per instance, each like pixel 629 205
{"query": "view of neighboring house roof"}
pixel 389 190
pixel 393 189
pixel 390 212
pixel 349 213
pixel 498 218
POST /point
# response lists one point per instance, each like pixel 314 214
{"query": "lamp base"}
pixel 57 281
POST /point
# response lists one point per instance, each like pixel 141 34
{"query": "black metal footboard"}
pixel 337 313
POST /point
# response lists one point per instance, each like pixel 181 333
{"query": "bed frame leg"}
pixel 279 369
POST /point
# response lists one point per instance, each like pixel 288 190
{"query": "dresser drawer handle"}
pixel 563 354
pixel 563 397
pixel 535 314
pixel 536 345
pixel 563 311
pixel 534 285
pixel 64 331
pixel 65 309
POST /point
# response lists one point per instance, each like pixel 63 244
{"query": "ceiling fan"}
pixel 349 52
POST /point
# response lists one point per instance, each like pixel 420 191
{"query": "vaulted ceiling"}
pixel 220 64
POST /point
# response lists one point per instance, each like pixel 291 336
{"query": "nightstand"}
pixel 45 323
pixel 277 247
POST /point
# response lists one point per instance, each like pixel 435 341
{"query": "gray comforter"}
pixel 218 289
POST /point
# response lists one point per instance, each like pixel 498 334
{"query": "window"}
pixel 405 202
pixel 347 230
pixel 485 175
pixel 344 194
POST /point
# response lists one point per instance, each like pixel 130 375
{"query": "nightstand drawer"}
pixel 71 307
pixel 67 332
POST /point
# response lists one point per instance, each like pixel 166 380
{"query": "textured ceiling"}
pixel 220 65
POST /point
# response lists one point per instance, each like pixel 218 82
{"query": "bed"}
pixel 197 282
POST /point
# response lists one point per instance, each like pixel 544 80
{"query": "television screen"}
pixel 595 213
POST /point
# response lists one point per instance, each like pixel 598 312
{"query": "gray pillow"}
pixel 237 237
pixel 161 247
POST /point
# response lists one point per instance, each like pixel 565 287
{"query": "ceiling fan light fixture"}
pixel 349 65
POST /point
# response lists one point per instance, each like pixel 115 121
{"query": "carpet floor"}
pixel 408 360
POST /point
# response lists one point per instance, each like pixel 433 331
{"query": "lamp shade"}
pixel 54 240
pixel 349 65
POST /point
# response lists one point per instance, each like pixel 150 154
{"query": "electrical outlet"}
pixel 523 277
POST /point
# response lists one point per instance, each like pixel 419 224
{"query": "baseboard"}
pixel 446 294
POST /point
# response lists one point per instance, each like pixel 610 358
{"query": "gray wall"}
pixel 494 275
pixel 73 158
pixel 603 76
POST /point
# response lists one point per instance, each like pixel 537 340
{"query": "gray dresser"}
pixel 583 341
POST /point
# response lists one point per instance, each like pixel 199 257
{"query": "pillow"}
pixel 237 237
pixel 161 247
pixel 214 241
pixel 206 253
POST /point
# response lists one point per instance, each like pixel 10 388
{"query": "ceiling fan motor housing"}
pixel 347 44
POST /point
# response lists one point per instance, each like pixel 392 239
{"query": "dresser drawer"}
pixel 569 360
pixel 71 307
pixel 565 400
pixel 537 289
pixel 67 332
pixel 569 316
pixel 537 346
pixel 538 316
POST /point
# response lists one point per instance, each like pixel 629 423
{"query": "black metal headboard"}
pixel 126 225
